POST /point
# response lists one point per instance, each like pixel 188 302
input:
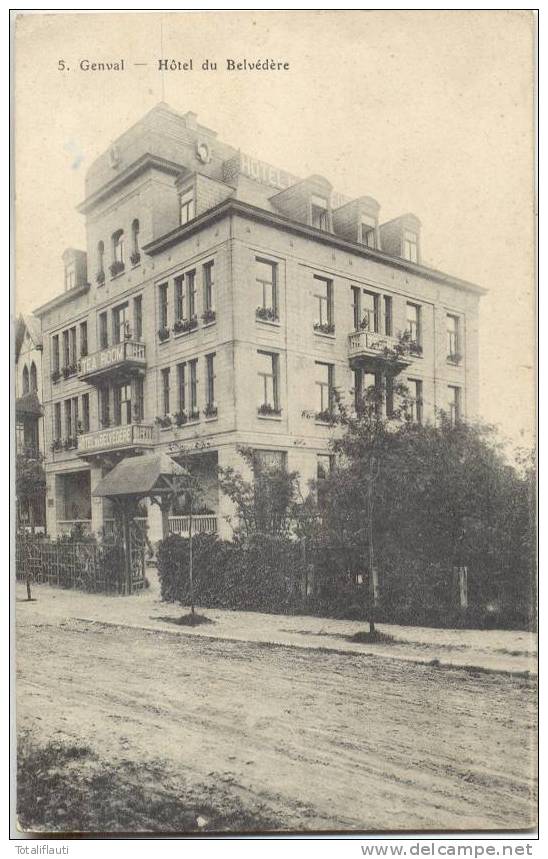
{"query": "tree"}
pixel 268 503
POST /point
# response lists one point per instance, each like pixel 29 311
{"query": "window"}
pixel 85 412
pixel 269 460
pixel 356 306
pixel 454 404
pixel 70 276
pixel 57 421
pixel 410 245
pixel 138 317
pixel 122 404
pixel 268 382
pixel 55 353
pixel 187 206
pixel 267 291
pixel 68 419
pixel 120 323
pixel 387 301
pixel 33 377
pixel 415 390
pixel 163 305
pixel 366 389
pixel 324 305
pixel 414 322
pixel 209 287
pixel 139 399
pixel 319 213
pixel 66 349
pixel 324 465
pixel 324 390
pixel 193 388
pixel 453 345
pixel 72 346
pixel 179 286
pixel 191 294
pixel 26 386
pixel 389 396
pixel 100 260
pixel 103 330
pixel 181 383
pixel 370 311
pixel 135 253
pixel 368 231
pixel 75 417
pixel 104 411
pixel 83 339
pixel 165 390
pixel 118 250
pixel 210 380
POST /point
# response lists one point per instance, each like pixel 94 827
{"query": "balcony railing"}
pixel 129 355
pixel 369 344
pixel 116 438
pixel 66 526
pixel 201 524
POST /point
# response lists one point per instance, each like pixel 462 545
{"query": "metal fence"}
pixel 91 567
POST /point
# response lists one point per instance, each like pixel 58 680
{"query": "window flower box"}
pixel 135 258
pixel 415 348
pixel 182 326
pixel 208 316
pixel 69 370
pixel 268 409
pixel 163 334
pixel 325 417
pixel 100 277
pixel 194 415
pixel 56 444
pixel 455 358
pixel 56 375
pixel 117 267
pixel 210 411
pixel 268 314
pixel 180 418
pixel 70 443
pixel 164 421
pixel 324 327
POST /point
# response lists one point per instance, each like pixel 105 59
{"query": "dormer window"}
pixel 319 213
pixel 188 208
pixel 410 246
pixel 118 253
pixel 368 231
pixel 70 276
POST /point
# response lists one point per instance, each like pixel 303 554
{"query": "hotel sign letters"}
pixel 106 439
pixel 106 358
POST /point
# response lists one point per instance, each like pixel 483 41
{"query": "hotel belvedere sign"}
pixel 115 437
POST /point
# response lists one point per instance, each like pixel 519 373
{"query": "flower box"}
pixel 56 444
pixel 455 358
pixel 324 327
pixel 194 415
pixel 100 277
pixel 267 409
pixel 268 314
pixel 210 411
pixel 116 268
pixel 56 375
pixel 135 258
pixel 164 421
pixel 181 326
pixel 325 417
pixel 180 418
pixel 69 370
pixel 163 334
pixel 208 316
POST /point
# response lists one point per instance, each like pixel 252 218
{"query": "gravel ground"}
pixel 314 740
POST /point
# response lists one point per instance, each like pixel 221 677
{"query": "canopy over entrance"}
pixel 152 475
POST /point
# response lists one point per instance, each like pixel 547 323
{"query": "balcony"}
pixel 121 359
pixel 130 436
pixel 371 346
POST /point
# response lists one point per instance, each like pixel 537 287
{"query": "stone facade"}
pixel 232 233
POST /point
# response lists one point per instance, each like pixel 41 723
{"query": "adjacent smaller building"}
pixel 29 415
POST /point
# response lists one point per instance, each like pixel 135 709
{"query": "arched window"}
pixel 118 253
pixel 25 379
pixel 33 377
pixel 135 252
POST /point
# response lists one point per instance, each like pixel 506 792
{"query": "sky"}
pixel 427 112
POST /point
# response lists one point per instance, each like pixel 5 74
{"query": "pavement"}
pixel 505 651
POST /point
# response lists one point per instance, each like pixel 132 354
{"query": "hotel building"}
pixel 219 303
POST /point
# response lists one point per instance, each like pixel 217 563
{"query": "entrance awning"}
pixel 139 476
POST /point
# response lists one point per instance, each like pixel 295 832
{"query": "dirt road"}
pixel 319 740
